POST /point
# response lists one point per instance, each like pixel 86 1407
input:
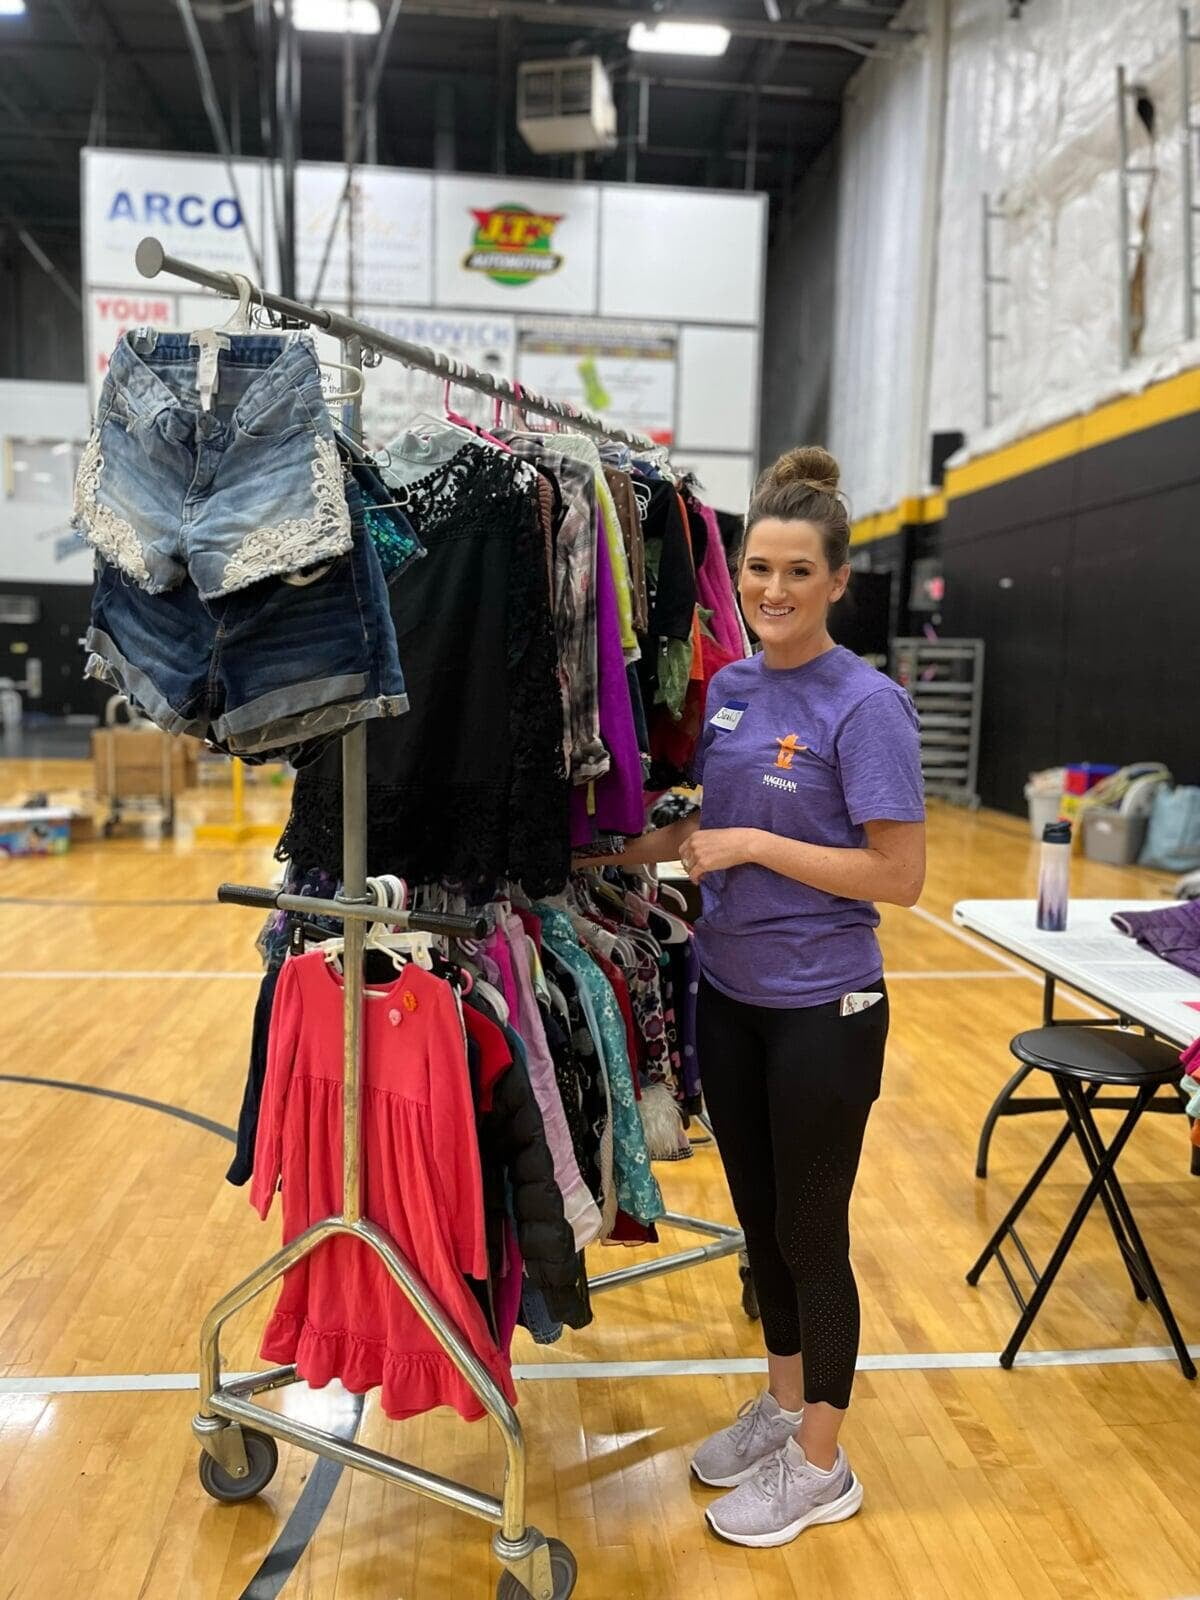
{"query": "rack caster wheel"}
pixel 563 1569
pixel 262 1456
pixel 749 1293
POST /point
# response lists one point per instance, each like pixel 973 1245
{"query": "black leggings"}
pixel 789 1094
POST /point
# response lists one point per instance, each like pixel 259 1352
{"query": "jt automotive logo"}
pixel 512 245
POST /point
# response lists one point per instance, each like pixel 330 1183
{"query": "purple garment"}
pixel 616 804
pixel 809 753
pixel 715 588
pixel 497 950
pixel 1172 933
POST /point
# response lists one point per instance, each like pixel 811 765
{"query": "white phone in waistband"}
pixel 854 1003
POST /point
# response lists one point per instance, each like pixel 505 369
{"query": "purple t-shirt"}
pixel 810 753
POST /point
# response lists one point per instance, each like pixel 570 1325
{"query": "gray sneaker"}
pixel 784 1497
pixel 734 1454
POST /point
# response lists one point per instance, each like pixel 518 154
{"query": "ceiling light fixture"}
pixel 679 38
pixel 331 16
pixel 12 8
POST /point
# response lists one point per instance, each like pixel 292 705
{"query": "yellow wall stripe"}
pixel 923 508
pixel 1161 402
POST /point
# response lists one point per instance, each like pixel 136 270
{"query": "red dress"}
pixel 339 1314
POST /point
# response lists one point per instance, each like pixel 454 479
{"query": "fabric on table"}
pixel 1172 933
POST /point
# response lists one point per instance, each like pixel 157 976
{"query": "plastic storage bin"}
pixel 1113 836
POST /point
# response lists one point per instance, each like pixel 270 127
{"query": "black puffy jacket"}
pixel 516 1158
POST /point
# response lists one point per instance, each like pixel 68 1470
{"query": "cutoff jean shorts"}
pixel 250 489
pixel 276 669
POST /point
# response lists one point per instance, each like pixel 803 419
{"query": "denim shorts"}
pixel 262 670
pixel 248 490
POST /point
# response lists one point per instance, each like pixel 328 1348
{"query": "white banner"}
pixel 395 396
pixel 623 371
pixel 516 245
pixel 393 227
pixel 112 312
pixel 186 202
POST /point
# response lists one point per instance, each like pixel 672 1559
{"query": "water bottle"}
pixel 1054 879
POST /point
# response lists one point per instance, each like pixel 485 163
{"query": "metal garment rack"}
pixel 238 1436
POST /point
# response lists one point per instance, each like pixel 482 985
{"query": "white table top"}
pixel 1092 956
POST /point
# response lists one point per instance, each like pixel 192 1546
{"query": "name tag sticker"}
pixel 729 715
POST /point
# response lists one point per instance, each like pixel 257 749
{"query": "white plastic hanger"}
pixel 211 341
pixel 354 392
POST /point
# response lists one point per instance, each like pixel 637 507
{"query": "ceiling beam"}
pixel 102 40
pixel 863 41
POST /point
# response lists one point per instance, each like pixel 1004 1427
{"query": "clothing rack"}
pixel 237 1436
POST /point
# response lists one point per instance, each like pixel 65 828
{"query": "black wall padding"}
pixel 54 639
pixel 1083 578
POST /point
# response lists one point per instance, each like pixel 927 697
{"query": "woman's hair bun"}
pixel 808 464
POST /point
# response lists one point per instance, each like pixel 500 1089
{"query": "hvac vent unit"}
pixel 564 107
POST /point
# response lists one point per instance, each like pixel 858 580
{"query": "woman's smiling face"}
pixel 785 584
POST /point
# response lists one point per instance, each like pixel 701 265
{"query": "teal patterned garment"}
pixel 396 545
pixel 638 1194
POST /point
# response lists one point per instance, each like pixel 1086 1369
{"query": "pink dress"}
pixel 339 1314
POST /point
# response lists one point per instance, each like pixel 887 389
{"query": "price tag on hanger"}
pixel 210 344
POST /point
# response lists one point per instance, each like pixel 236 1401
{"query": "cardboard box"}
pixel 34 831
pixel 142 763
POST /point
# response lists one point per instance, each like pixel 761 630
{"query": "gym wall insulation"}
pixel 1025 111
pixel 1066 527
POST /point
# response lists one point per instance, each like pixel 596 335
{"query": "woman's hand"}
pixel 715 849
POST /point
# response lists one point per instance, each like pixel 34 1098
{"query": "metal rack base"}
pixel 225 1409
pixel 727 1241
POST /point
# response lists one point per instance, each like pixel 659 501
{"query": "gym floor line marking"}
pixel 573 1371
pixel 88 905
pixel 1015 967
pixel 115 977
pixel 294 1537
pixel 65 975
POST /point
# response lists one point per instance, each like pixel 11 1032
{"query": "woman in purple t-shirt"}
pixel 813 811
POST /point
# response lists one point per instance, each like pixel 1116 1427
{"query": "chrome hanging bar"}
pixel 152 259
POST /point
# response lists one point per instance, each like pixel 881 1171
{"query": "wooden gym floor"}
pixel 1064 1481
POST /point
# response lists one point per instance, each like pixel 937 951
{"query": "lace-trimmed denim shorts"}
pixel 271 670
pixel 250 489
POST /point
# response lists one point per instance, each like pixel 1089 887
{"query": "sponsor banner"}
pixel 112 312
pixel 621 370
pixel 516 245
pixel 393 226
pixel 394 397
pixel 188 204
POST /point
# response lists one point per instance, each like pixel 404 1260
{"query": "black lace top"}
pixel 470 786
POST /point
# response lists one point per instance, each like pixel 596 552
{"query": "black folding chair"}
pixel 1082 1060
